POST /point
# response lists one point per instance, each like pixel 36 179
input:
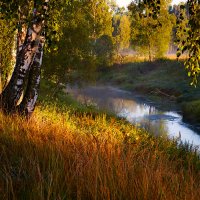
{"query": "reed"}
pixel 68 155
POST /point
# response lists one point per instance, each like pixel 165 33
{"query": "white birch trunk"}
pixel 27 106
pixel 13 91
pixel 26 58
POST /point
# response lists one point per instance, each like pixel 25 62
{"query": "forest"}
pixel 99 101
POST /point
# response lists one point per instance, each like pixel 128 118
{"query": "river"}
pixel 155 118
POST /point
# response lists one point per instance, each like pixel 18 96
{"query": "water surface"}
pixel 158 120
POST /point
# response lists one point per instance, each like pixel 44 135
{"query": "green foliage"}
pixel 101 18
pixel 187 34
pixel 153 5
pixel 151 35
pixel 6 49
pixel 22 12
pixel 73 30
pixel 191 111
pixel 104 50
pixel 84 25
pixel 188 38
pixel 17 10
pixel 122 30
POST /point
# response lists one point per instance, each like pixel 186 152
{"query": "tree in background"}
pixel 122 30
pixel 175 10
pixel 191 41
pixel 101 31
pixel 85 44
pixel 125 31
pixel 74 49
pixel 151 35
pixel 104 50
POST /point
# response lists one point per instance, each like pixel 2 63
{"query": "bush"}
pixel 191 111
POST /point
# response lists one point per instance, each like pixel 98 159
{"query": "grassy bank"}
pixel 65 151
pixel 160 80
pixel 191 111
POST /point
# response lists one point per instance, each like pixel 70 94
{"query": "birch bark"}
pixel 29 59
pixel 28 103
pixel 14 89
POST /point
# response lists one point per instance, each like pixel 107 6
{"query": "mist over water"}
pixel 137 111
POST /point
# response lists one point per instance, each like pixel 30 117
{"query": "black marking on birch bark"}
pixel 24 63
pixel 13 91
pixel 27 106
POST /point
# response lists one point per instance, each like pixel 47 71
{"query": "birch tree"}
pixel 190 42
pixel 30 17
pixel 151 35
pixel 41 22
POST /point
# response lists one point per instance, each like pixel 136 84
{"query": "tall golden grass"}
pixel 58 155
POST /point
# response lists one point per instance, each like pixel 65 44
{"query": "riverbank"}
pixel 70 151
pixel 162 80
pixel 138 110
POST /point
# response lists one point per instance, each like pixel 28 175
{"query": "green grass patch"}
pixel 161 79
pixel 163 74
pixel 191 111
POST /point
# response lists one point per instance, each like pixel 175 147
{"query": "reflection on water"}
pixel 129 106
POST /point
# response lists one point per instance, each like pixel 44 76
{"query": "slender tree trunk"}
pixel 14 89
pixel 27 105
pixel 26 75
pixel 150 57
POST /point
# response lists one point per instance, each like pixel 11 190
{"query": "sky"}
pixel 126 2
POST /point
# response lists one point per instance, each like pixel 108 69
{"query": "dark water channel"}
pixel 157 119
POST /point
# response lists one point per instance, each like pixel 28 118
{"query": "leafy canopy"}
pixel 188 37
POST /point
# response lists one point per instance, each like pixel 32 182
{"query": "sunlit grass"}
pixel 71 155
